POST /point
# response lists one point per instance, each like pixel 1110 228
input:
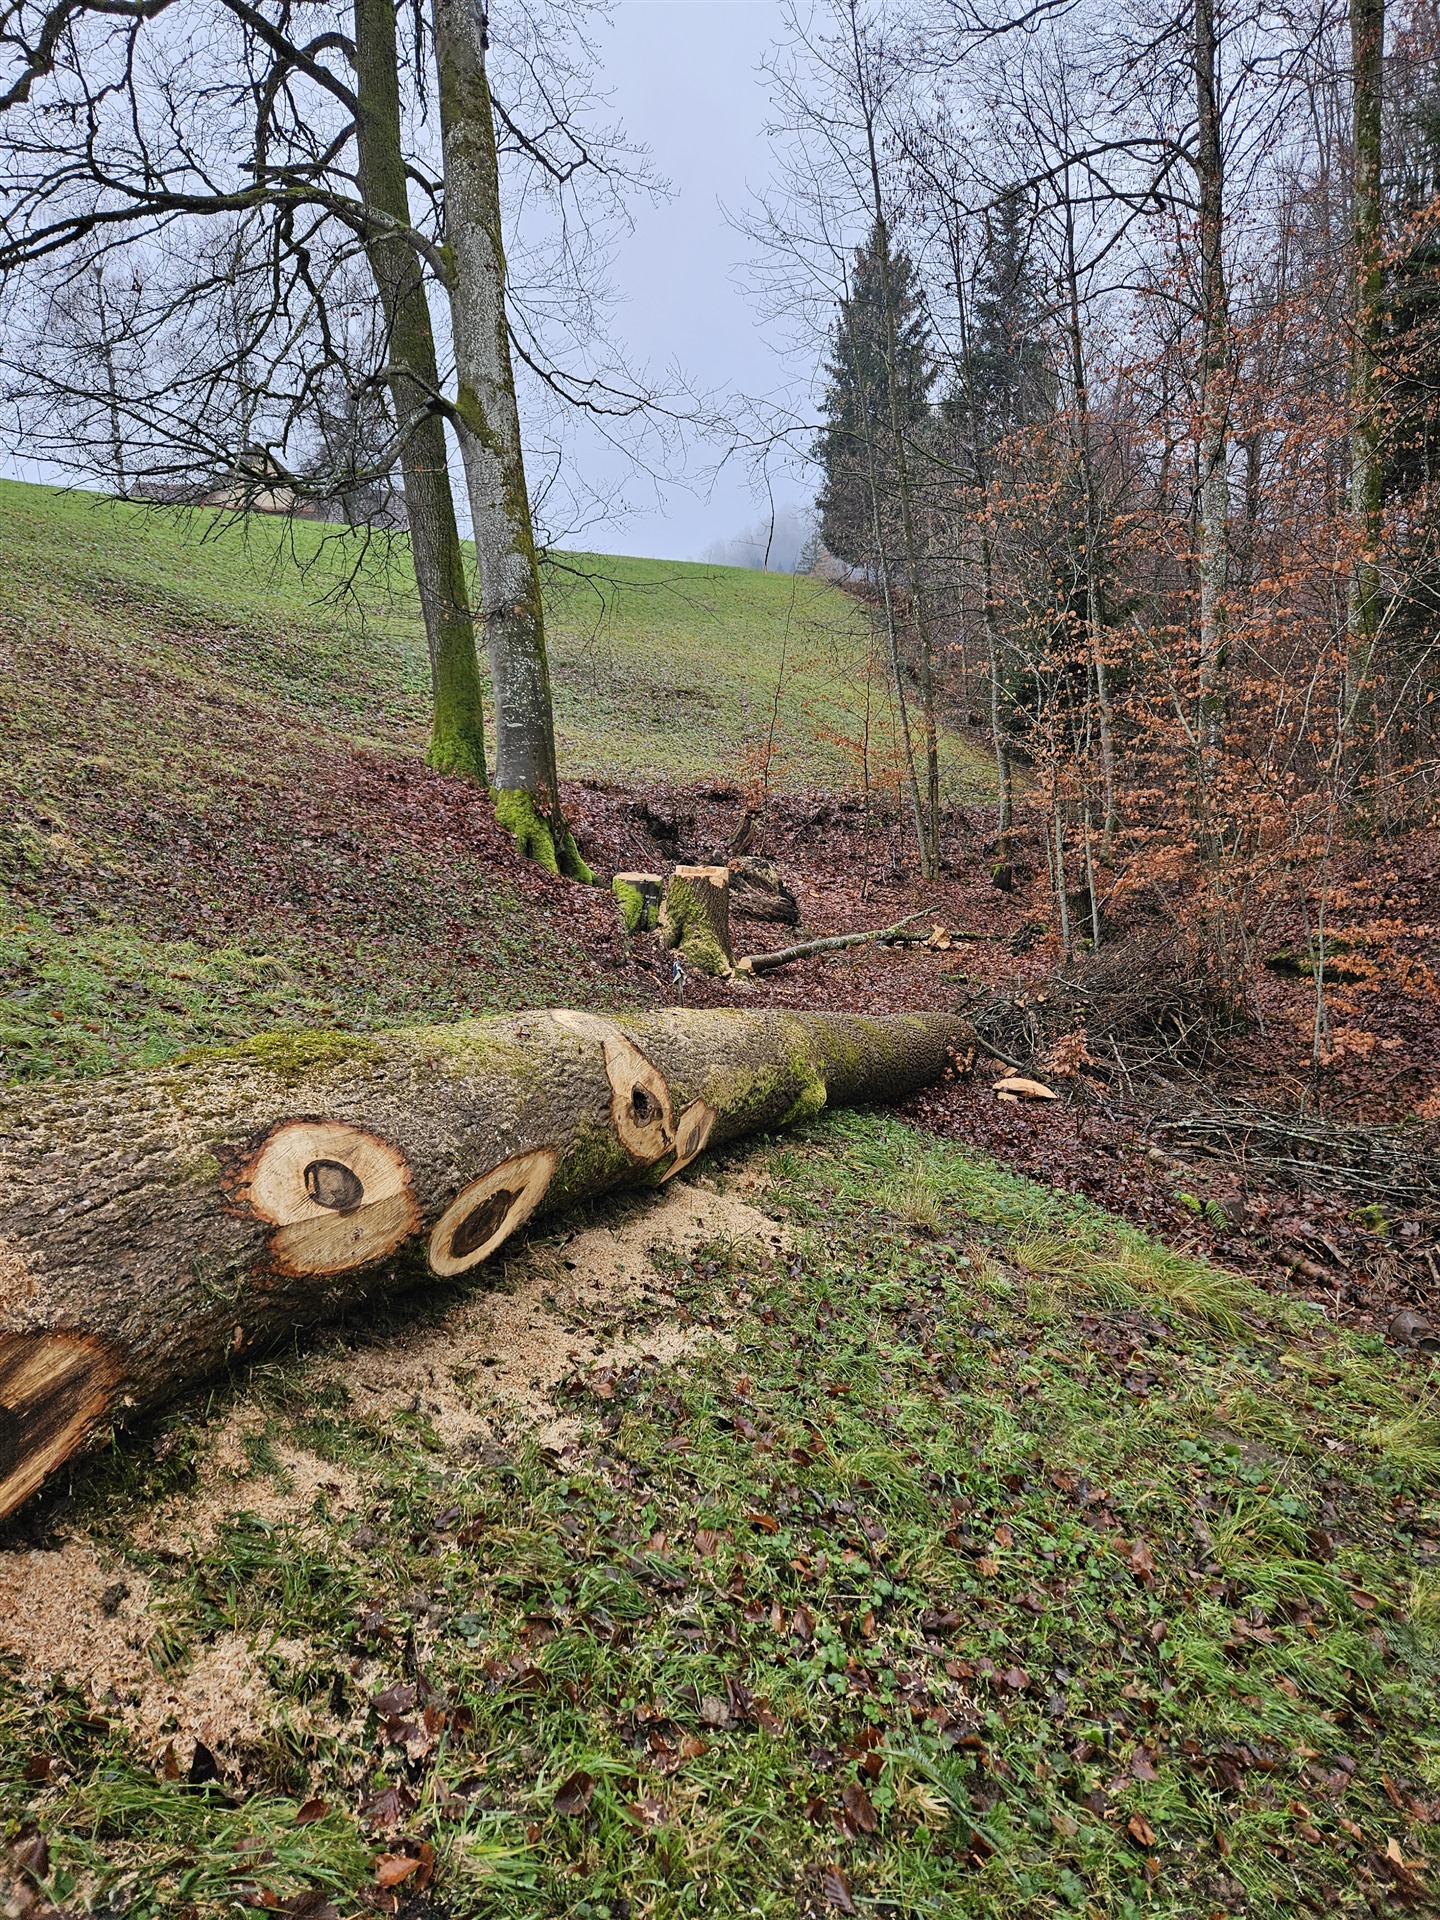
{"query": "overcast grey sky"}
pixel 683 76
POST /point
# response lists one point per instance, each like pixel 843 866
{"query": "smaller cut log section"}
pixel 697 919
pixel 692 1134
pixel 489 1210
pixel 640 896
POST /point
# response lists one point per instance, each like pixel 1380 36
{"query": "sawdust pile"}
pixel 95 1623
pixel 487 1370
pixel 597 1299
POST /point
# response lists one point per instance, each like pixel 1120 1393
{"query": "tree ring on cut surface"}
pixel 53 1388
pixel 640 1108
pixel 692 1131
pixel 489 1210
pixel 338 1196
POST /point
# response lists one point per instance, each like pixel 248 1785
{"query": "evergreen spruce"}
pixel 1005 380
pixel 856 446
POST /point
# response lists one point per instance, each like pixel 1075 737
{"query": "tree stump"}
pixel 640 896
pixel 155 1226
pixel 758 892
pixel 697 919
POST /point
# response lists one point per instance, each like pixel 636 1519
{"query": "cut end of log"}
pixel 489 1210
pixel 338 1197
pixel 53 1388
pixel 692 1131
pixel 640 1108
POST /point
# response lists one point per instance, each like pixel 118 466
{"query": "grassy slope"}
pixel 1003 1565
pixel 214 815
pixel 1037 1570
pixel 662 669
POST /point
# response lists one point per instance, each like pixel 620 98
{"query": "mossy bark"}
pixel 155 1226
pixel 640 896
pixel 697 919
pixel 457 737
pixel 488 421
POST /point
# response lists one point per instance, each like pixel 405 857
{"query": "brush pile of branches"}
pixel 1398 1166
pixel 1145 1006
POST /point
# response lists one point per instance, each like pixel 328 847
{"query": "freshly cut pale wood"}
pixel 692 1133
pixel 156 1226
pixel 338 1196
pixel 54 1387
pixel 639 1097
pixel 487 1212
pixel 1019 1088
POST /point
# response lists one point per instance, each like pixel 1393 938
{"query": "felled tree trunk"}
pixel 697 919
pixel 155 1225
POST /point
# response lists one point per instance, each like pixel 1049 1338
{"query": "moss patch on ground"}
pixel 960 1578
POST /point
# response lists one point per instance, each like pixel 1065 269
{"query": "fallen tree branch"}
pixel 833 943
pixel 154 1226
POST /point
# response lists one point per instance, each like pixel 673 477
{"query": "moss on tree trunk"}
pixel 697 919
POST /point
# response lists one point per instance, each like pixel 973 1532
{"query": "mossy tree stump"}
pixel 156 1226
pixel 640 896
pixel 697 919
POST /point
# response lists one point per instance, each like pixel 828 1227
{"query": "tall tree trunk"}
pixel 1214 474
pixel 999 732
pixel 527 787
pixel 457 734
pixel 1367 47
pixel 892 637
pixel 1213 489
pixel 929 833
pixel 1094 598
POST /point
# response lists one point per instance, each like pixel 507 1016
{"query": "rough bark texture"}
pixel 640 896
pixel 526 782
pixel 153 1226
pixel 457 737
pixel 758 891
pixel 697 919
pixel 1214 490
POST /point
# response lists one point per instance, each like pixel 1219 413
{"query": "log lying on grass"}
pixel 154 1225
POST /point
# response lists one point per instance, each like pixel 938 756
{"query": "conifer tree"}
pixel 855 448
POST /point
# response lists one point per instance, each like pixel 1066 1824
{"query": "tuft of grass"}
pixel 1411 1440
pixel 1126 1270
pixel 1059 1239
pixel 1423 1608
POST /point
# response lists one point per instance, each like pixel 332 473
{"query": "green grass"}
pixel 662 669
pixel 962 1580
